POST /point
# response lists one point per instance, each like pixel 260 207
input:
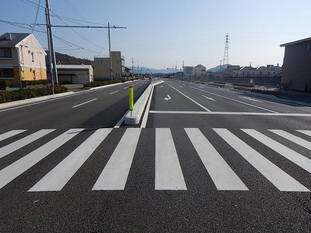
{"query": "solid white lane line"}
pixel 280 179
pixel 115 173
pixel 9 134
pixel 120 122
pixel 57 178
pixel 232 113
pixel 14 146
pixel 200 105
pixel 249 98
pixel 78 105
pixel 146 114
pixel 114 92
pixel 301 142
pixel 221 173
pixel 125 87
pixel 306 132
pixel 168 173
pixel 234 100
pixel 209 98
pixel 286 152
pixel 17 168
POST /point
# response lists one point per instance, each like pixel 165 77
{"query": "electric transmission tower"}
pixel 226 53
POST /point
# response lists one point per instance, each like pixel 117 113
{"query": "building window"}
pixel 32 57
pixel 5 52
pixel 6 73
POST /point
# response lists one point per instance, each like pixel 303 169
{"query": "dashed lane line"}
pixel 86 102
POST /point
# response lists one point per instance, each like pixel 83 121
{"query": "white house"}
pixel 76 74
pixel 199 70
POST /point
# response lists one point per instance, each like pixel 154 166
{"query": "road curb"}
pixel 134 117
pixel 33 100
pixel 111 85
pixel 55 96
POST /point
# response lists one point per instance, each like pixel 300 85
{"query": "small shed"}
pixel 296 74
pixel 75 74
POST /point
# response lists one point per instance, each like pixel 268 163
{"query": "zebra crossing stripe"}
pixel 17 168
pixel 10 134
pixel 306 132
pixel 168 173
pixel 286 152
pixel 301 142
pixel 280 179
pixel 8 149
pixel 221 173
pixel 57 178
pixel 115 173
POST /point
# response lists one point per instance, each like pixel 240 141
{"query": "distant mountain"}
pixel 218 68
pixel 146 70
pixel 70 60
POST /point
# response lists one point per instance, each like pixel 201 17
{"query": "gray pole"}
pixel 49 52
pixel 51 43
pixel 133 66
pixel 110 73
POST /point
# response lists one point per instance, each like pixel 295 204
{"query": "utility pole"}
pixel 52 58
pixel 132 66
pixel 50 39
pixel 109 41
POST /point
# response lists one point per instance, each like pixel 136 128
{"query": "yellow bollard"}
pixel 131 98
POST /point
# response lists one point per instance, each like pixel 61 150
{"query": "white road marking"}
pixel 286 152
pixel 86 102
pixel 209 98
pixel 301 142
pixel 221 173
pixel 168 173
pixel 125 87
pixel 200 105
pixel 306 132
pixel 9 134
pixel 232 113
pixel 249 98
pixel 14 146
pixel 234 100
pixel 120 122
pixel 17 168
pixel 58 177
pixel 115 173
pixel 114 92
pixel 168 97
pixel 146 114
pixel 280 179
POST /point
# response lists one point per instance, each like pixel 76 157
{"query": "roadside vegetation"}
pixel 12 91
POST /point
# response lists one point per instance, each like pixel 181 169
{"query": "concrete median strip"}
pixel 134 117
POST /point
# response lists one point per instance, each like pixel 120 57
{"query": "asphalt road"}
pixel 209 160
pixel 88 109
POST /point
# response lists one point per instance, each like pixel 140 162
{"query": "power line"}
pixel 36 17
pixel 28 27
pixel 53 14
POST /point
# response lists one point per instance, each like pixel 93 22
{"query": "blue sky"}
pixel 163 33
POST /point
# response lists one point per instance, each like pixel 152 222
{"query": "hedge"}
pixel 26 93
